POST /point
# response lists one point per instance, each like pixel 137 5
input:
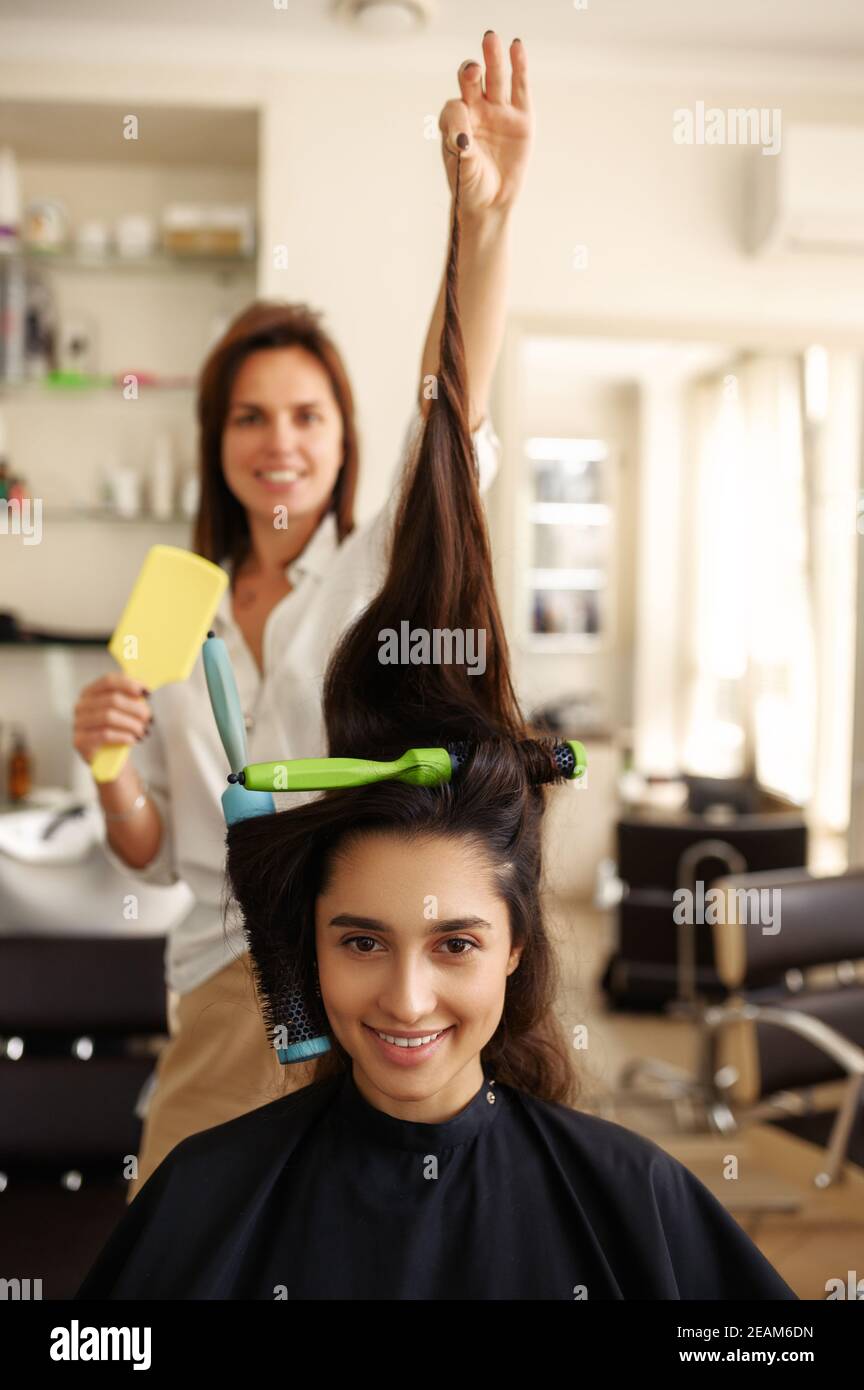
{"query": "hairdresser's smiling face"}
pixel 411 979
pixel 282 440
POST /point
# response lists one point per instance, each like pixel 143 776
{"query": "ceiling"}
pixel 249 31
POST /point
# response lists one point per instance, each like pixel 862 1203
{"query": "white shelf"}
pixel 160 263
pixel 150 316
pixel 103 515
pixel 583 530
pixel 100 386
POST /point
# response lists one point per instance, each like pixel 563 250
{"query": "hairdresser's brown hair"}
pixel 221 527
pixel 439 576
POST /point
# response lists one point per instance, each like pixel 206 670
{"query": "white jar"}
pixel 92 239
pixel 136 235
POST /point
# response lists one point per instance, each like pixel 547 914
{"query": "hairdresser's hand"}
pixel 110 710
pixel 499 129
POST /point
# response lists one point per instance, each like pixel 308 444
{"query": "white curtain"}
pixel 751 673
pixel 715 737
pixel 834 447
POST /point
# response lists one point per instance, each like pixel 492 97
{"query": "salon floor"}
pixel 809 1235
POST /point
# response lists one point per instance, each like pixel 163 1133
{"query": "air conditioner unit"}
pixel 809 196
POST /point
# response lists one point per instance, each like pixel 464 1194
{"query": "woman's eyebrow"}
pixel 348 919
pixel 298 405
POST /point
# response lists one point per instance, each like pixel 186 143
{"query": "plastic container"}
pixel 214 229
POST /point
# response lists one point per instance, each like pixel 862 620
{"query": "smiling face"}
pixel 394 962
pixel 282 439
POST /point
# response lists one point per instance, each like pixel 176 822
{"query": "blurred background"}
pixel 677 523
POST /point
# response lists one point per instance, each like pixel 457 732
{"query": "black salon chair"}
pixel 660 963
pixel 793 1018
pixel 81 1023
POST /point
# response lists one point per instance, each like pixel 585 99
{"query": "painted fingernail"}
pixel 488 32
pixel 462 140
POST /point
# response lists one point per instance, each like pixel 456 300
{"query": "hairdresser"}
pixel 279 467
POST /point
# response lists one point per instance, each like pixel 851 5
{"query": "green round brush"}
pixel 419 767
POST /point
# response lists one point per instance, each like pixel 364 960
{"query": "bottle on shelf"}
pixel 40 328
pixel 6 478
pixel 13 281
pixel 19 770
pixel 162 479
pixel 10 201
pixel 13 319
pixel 190 494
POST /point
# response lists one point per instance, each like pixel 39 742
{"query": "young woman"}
pixel 453 1167
pixel 279 466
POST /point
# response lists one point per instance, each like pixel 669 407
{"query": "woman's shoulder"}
pixel 599 1141
pixel 294 1107
pixel 681 1240
pixel 252 1138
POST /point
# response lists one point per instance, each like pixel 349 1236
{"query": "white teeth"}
pixel 409 1042
pixel 281 475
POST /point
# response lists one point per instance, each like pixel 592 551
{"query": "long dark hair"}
pixel 221 527
pixel 439 577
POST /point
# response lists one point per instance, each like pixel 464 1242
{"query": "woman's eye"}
pixel 461 941
pixel 350 942
pixel 255 417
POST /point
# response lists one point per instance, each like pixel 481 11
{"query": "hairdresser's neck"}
pixel 271 550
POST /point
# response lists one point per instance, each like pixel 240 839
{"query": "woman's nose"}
pixel 283 436
pixel 408 995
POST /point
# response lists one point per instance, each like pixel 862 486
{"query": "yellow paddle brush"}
pixel 161 629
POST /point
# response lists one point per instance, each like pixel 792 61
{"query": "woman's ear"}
pixel 515 957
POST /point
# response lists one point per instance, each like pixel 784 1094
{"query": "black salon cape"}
pixel 319 1195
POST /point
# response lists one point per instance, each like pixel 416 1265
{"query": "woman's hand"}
pixel 499 130
pixel 110 710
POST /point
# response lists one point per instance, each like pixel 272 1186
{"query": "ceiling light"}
pixel 386 18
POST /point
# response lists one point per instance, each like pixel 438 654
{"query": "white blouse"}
pixel 183 762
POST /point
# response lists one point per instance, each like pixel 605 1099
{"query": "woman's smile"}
pixel 409 1051
pixel 280 479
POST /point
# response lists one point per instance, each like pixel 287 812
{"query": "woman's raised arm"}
pixel 499 133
